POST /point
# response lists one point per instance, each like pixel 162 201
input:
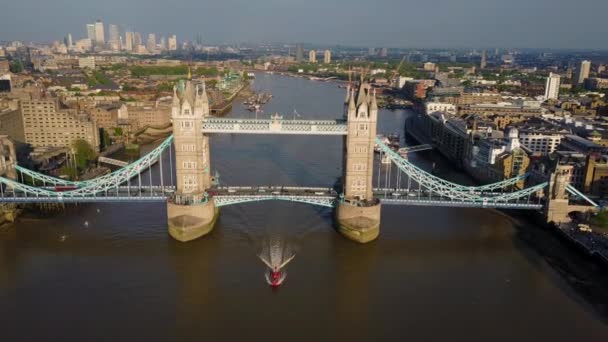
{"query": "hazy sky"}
pixel 392 23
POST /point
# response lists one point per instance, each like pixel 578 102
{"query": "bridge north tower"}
pixel 358 213
pixel 190 213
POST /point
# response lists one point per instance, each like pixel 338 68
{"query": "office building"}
pixel 114 39
pixel 137 41
pixel 582 72
pixel 552 86
pixel 91 32
pixel 312 56
pixel 484 62
pixel 327 57
pixel 99 34
pixel 151 43
pixel 46 124
pixel 299 53
pixel 128 43
pixel 172 43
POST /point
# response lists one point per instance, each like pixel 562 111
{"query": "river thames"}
pixel 435 274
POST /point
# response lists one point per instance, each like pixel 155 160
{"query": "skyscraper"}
pixel 312 56
pixel 299 53
pixel 327 57
pixel 172 43
pixel 128 41
pixel 582 72
pixel 384 52
pixel 137 41
pixel 552 86
pixel 91 32
pixel 99 33
pixel 483 63
pixel 151 43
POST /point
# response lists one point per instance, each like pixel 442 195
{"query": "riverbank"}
pixel 591 244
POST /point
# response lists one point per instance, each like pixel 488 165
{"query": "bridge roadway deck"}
pixel 274 126
pixel 223 196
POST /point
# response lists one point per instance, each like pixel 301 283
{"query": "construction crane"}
pixel 394 76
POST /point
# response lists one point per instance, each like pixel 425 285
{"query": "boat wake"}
pixel 276 253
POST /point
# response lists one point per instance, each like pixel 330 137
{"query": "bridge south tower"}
pixel 190 213
pixel 358 213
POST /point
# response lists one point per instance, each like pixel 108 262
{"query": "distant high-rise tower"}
pixel 151 43
pixel 99 33
pixel 91 32
pixel 68 41
pixel 114 38
pixel 312 56
pixel 483 63
pixel 327 57
pixel 299 53
pixel 129 38
pixel 582 72
pixel 172 44
pixel 137 41
pixel 552 86
pixel 384 52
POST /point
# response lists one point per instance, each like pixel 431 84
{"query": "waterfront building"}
pixel 299 53
pixel 99 34
pixel 156 114
pixel 312 56
pixel 552 87
pixel 575 143
pixel 327 57
pixel 45 124
pixel 494 160
pixel 106 116
pixel 582 72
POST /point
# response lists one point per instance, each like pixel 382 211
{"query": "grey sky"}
pixel 392 23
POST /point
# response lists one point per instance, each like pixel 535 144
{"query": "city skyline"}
pixel 518 24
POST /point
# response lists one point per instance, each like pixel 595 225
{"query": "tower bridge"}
pixel 193 197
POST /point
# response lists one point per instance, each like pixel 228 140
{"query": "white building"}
pixel 327 57
pixel 86 62
pixel 432 107
pixel 552 86
pixel 312 56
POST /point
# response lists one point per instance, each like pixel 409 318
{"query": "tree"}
pixel 84 153
pixel 16 66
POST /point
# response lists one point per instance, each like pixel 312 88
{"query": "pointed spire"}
pixel 374 105
pixel 351 102
pixel 175 97
pixel 362 97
